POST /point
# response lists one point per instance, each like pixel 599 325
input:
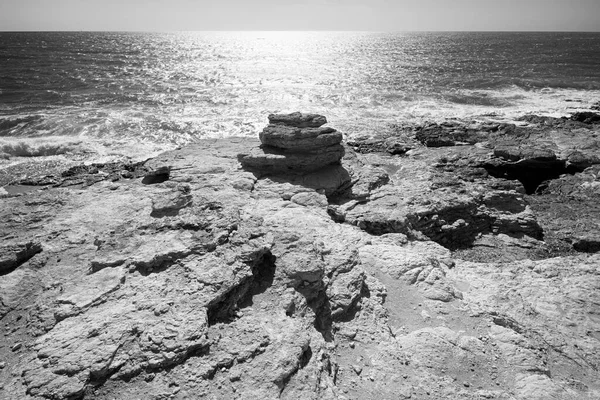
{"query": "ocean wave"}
pixel 481 98
pixel 171 89
pixel 10 123
pixel 40 148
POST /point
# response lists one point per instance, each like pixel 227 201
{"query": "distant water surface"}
pixel 173 88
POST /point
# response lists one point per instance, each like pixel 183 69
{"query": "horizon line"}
pixel 301 30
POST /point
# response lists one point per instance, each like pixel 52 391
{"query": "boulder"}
pixel 294 143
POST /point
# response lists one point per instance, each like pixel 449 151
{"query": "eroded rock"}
pixel 297 119
pixel 294 143
pixel 219 283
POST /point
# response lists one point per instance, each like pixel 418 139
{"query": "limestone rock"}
pixel 294 144
pixel 392 145
pixel 452 133
pixel 275 161
pixel 379 277
pixel 299 139
pixel 297 119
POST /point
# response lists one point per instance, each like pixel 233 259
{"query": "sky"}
pixel 275 15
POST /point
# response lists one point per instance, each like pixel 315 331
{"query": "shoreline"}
pixel 411 268
pixel 27 157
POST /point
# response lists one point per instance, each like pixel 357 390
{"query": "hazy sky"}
pixel 378 15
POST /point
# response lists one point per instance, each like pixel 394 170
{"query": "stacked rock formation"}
pixel 295 142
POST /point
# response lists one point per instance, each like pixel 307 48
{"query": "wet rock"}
pixel 586 117
pixel 390 145
pixel 65 175
pixel 455 133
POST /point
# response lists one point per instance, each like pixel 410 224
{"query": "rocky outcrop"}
pixel 537 150
pixel 294 143
pixel 567 207
pixel 62 175
pixel 450 200
pixel 391 145
pixel 586 117
pixel 453 133
pixel 382 277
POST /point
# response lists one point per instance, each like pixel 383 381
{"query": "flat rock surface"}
pixel 385 277
pixel 299 139
pixel 298 119
pixel 269 160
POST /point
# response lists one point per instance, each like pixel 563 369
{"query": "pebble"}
pixel 357 369
pixel 349 333
pixel 2 365
pixel 235 376
pixel 351 344
pixel 466 384
pixel 17 346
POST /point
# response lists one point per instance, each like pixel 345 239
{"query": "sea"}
pixel 105 95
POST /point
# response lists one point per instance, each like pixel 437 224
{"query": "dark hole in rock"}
pixel 531 173
pixel 323 319
pixel 318 302
pixel 153 179
pixel 305 357
pixel 586 245
pixel 167 212
pixel 335 214
pixel 224 308
pixel 13 256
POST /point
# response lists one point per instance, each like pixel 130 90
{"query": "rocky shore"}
pixel 442 261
